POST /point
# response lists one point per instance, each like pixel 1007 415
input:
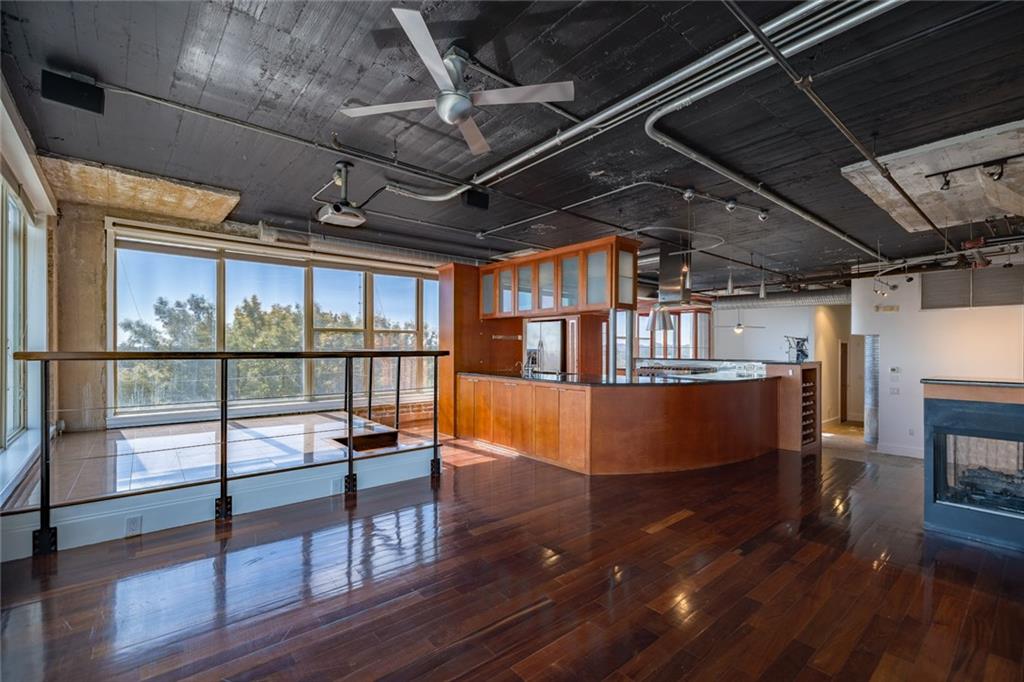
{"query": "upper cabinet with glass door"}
pixel 591 276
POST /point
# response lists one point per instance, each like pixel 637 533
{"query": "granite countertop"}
pixel 964 381
pixel 597 380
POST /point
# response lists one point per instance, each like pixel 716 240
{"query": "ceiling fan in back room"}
pixel 454 104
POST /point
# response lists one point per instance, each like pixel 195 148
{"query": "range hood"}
pixel 673 289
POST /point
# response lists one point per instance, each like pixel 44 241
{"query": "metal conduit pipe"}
pixel 604 195
pixel 789 298
pixel 620 107
pixel 650 126
pixel 803 84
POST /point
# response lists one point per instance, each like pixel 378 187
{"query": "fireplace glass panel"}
pixel 982 472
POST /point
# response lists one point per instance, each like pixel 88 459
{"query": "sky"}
pixel 142 277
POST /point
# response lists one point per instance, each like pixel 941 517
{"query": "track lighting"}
pixel 730 205
pixel 762 216
pixel 688 194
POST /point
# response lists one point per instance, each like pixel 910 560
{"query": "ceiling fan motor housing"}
pixel 454 106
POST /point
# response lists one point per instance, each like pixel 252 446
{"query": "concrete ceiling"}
pixel 291 66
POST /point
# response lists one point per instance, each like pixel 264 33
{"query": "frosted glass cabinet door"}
pixel 505 291
pixel 626 260
pixel 570 281
pixel 546 284
pixel 524 288
pixel 597 277
pixel 487 294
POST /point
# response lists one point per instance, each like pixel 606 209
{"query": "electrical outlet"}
pixel 132 526
pixel 894 390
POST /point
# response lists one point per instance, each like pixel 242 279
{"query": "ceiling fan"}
pixel 454 104
pixel 739 326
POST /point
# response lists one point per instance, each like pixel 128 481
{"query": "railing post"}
pixel 223 505
pixel 44 540
pixel 398 390
pixel 435 461
pixel 369 392
pixel 350 477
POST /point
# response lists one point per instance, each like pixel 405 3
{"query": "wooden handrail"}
pixel 225 355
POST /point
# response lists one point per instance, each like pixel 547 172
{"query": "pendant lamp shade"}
pixel 661 320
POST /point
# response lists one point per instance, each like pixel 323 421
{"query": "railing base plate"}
pixel 350 484
pixel 435 468
pixel 44 541
pixel 222 508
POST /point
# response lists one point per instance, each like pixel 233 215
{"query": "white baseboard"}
pixel 87 524
pixel 900 450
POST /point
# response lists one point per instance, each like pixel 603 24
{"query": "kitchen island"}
pixel 641 424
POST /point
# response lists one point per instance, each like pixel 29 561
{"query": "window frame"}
pixel 222 248
pixel 6 194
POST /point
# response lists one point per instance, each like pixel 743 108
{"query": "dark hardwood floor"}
pixel 775 569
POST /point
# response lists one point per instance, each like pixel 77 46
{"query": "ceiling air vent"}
pixel 989 286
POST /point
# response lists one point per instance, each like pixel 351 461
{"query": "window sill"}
pixel 16 459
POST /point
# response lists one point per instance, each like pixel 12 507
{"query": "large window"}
pixel 185 298
pixel 264 311
pixel 691 338
pixel 13 322
pixel 166 301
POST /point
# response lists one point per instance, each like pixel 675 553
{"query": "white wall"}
pixel 913 344
pixel 762 344
pixel 831 325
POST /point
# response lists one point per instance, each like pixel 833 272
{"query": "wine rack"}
pixel 808 405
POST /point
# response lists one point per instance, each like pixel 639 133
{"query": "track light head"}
pixel 730 205
pixel 762 216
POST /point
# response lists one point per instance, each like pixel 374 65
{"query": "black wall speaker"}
pixel 74 93
pixel 476 199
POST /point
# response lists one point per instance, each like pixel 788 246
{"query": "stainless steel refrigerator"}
pixel 545 346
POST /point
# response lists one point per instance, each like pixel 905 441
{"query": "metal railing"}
pixel 44 540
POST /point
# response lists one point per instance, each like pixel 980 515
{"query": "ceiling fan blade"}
pixel 474 138
pixel 356 112
pixel 414 26
pixel 562 91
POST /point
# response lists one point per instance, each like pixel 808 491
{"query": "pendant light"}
pixel 728 286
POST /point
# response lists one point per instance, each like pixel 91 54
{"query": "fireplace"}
pixel 980 471
pixel 974 460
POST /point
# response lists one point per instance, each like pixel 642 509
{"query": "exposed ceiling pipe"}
pixel 650 126
pixel 620 107
pixel 786 298
pixel 803 84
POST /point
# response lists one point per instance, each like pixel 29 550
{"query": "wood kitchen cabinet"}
pixel 545 420
pixel 522 417
pixel 483 415
pixel 590 276
pixel 549 422
pixel 465 400
pixel 501 412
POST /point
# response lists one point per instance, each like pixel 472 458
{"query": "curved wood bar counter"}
pixel 645 426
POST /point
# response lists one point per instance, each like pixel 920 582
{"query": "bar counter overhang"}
pixel 626 426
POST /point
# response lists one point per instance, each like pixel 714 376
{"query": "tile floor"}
pixel 93 464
